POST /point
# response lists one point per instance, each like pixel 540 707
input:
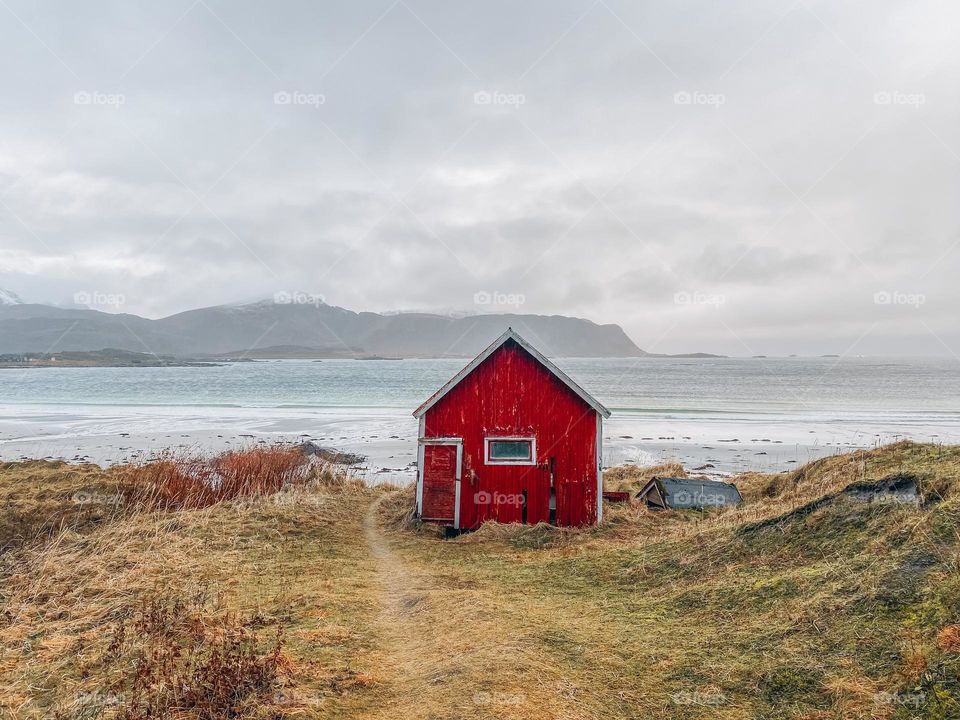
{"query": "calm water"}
pixel 796 385
pixel 732 413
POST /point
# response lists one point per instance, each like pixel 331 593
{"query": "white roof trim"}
pixel 537 355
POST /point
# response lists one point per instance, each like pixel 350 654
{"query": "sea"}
pixel 717 416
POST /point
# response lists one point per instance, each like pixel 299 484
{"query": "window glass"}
pixel 511 450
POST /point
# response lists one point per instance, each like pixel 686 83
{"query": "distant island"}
pixel 100 358
pixel 301 352
pixel 109 357
pixel 686 356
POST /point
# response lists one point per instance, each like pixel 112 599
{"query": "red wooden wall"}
pixel 512 394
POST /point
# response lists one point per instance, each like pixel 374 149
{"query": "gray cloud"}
pixel 793 159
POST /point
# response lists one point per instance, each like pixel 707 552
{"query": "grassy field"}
pixel 313 596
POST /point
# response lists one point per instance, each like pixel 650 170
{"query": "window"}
pixel 510 451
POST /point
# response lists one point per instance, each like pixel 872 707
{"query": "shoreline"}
pixel 714 445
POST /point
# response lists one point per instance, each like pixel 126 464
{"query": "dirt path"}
pixel 375 541
pixel 457 649
pixel 403 625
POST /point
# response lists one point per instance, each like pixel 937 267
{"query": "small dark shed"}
pixel 686 493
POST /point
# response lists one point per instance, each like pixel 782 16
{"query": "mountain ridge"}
pixel 222 329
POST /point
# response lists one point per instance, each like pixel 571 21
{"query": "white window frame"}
pixel 497 438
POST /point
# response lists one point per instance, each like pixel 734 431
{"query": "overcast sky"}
pixel 738 177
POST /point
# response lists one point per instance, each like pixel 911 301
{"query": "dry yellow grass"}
pixel 632 478
pixel 805 603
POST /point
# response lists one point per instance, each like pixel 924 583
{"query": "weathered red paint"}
pixel 439 473
pixel 511 394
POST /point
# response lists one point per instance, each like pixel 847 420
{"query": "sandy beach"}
pixel 109 435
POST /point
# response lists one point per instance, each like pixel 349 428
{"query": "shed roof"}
pixel 681 493
pixel 536 354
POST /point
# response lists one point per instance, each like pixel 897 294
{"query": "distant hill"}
pixel 322 330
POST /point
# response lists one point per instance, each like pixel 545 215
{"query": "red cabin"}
pixel 510 438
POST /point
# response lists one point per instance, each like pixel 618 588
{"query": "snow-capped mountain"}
pixel 7 297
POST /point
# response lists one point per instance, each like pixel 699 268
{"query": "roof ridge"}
pixel 511 334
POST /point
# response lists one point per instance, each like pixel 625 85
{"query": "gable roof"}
pixel 536 354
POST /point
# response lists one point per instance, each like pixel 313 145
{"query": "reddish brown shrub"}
pixel 192 482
